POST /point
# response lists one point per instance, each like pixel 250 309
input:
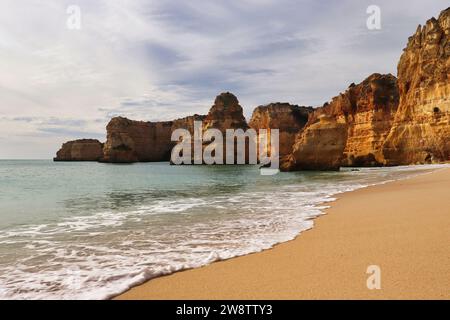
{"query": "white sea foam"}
pixel 100 255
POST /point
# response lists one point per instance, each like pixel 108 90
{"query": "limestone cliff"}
pixel 381 121
pixel 319 147
pixel 80 150
pixel 421 130
pixel 350 130
pixel 138 141
pixel 132 141
pixel 288 119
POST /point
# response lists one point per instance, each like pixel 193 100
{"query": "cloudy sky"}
pixel 159 60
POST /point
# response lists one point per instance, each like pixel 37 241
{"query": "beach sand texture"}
pixel 403 227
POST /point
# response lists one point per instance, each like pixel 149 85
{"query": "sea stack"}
pixel 131 141
pixel 80 150
pixel 225 113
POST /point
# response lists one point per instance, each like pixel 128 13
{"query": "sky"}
pixel 160 60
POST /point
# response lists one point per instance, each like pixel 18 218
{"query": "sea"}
pixel 86 230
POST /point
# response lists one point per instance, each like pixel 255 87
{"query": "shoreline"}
pixel 338 250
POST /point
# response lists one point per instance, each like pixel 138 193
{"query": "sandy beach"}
pixel 403 227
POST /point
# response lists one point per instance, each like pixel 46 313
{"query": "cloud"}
pixel 68 132
pixel 159 60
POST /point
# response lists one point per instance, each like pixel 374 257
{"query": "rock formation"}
pixel 381 121
pixel 421 130
pixel 387 122
pixel 132 141
pixel 226 113
pixel 374 103
pixel 288 119
pixel 80 150
pixel 319 147
pixel 350 130
pixel 138 141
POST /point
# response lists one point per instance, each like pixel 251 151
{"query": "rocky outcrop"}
pixel 226 113
pixel 421 130
pixel 187 123
pixel 388 122
pixel 319 147
pixel 132 141
pixel 138 141
pixel 80 150
pixel 350 130
pixel 381 121
pixel 375 102
pixel 288 119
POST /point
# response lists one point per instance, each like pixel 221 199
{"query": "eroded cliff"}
pixel 421 130
pixel 381 121
pixel 225 113
pixel 80 150
pixel 350 130
pixel 138 141
pixel 288 119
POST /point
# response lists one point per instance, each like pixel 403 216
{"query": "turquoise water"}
pixel 91 231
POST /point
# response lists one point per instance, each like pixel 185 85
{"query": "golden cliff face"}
pixel 381 121
pixel 350 130
pixel 288 119
pixel 421 130
pixel 319 147
pixel 375 102
pixel 385 121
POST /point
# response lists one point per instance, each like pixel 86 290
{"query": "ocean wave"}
pixel 102 254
